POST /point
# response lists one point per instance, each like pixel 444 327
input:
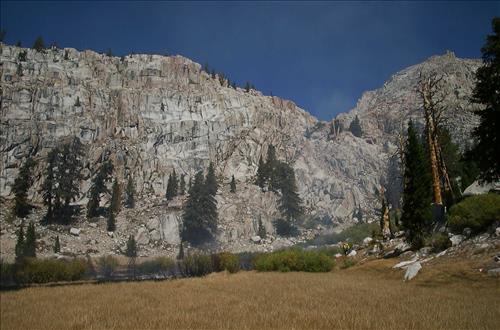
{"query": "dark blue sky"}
pixel 322 55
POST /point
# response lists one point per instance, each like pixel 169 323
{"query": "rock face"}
pixel 152 114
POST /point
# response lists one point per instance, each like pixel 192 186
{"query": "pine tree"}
pixel 21 186
pixel 172 186
pixel 2 35
pixel 98 187
pixel 271 169
pixel 487 134
pixel 109 53
pixel 290 201
pixel 130 194
pixel 111 223
pixel 68 177
pixel 417 193
pixel 131 253
pixel 19 249
pixel 49 184
pixel 30 243
pixel 116 197
pixel 261 174
pixel 180 256
pixel 355 127
pixel 20 70
pixel 39 45
pixel 211 181
pixel 57 245
pixel 182 185
pixel 77 102
pixel 232 185
pixel 195 230
pixel 247 87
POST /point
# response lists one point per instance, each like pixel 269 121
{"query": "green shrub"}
pixel 354 234
pixel 107 265
pixel 475 212
pixel 47 270
pixel 438 242
pixel 196 265
pixel 229 262
pixel 348 262
pixel 294 260
pixel 159 265
pixel 7 274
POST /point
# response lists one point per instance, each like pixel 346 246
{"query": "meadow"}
pixel 448 295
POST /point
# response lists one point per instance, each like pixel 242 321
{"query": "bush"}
pixel 159 265
pixel 285 228
pixel 229 262
pixel 246 260
pixel 196 265
pixel 438 242
pixel 46 270
pixel 354 234
pixel 347 263
pixel 107 266
pixel 475 212
pixel 294 260
pixel 7 274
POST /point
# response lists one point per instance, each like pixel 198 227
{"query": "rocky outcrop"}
pixel 152 114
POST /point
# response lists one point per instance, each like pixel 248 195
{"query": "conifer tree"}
pixel 39 45
pixel 19 249
pixel 131 253
pixel 355 127
pixel 247 87
pixel 486 92
pixel 21 186
pixel 195 229
pixel 98 187
pixel 211 181
pixel 111 223
pixel 57 245
pixel 180 256
pixel 116 198
pixel 49 184
pixel 261 174
pixel 172 186
pixel 417 193
pixel 182 185
pixel 232 185
pixel 290 201
pixel 130 194
pixel 30 242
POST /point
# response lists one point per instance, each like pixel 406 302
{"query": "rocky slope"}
pixel 151 114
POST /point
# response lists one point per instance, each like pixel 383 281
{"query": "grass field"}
pixel 371 296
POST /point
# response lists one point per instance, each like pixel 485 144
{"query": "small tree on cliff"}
pixel 172 186
pixel 98 187
pixel 182 185
pixel 49 184
pixel 130 194
pixel 30 243
pixel 355 127
pixel 19 249
pixel 116 197
pixel 21 186
pixel 232 185
pixel 39 44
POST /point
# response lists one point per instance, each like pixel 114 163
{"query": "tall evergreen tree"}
pixel 232 185
pixel 19 249
pixel 57 245
pixel 211 181
pixel 172 186
pixel 417 193
pixel 69 175
pixel 39 45
pixel 98 187
pixel 130 194
pixel 182 185
pixel 261 174
pixel 111 223
pixel 180 255
pixel 290 201
pixel 21 186
pixel 487 92
pixel 30 243
pixel 116 197
pixel 49 184
pixel 195 227
pixel 355 127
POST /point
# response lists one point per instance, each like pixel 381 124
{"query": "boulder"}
pixel 403 247
pixel 353 253
pixel 412 270
pixel 93 225
pixel 142 236
pixel 467 232
pixel 456 239
pixel 405 264
pixel 375 249
pixel 494 272
pixel 256 239
pixel 497 232
pixel 75 231
pixel 367 240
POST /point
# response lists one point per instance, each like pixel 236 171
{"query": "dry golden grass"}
pixel 449 295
